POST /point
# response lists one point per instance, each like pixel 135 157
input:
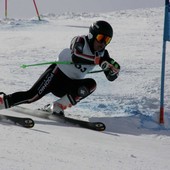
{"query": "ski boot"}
pixel 2 101
pixel 58 106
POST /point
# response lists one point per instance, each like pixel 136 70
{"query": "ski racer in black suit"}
pixel 67 81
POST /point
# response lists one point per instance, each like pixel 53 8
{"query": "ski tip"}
pixel 97 126
pixel 100 126
pixel 29 123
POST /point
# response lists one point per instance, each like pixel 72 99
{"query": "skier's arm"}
pixel 77 47
pixel 110 66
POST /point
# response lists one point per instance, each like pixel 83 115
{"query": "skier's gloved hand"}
pixel 111 69
pixel 105 65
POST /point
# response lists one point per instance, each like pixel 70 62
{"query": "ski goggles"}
pixel 103 38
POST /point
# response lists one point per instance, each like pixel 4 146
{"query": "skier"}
pixel 67 81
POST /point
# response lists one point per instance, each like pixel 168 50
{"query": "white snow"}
pixel 129 107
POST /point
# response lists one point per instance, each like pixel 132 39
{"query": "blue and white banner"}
pixel 167 21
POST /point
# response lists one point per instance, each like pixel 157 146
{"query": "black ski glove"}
pixel 111 69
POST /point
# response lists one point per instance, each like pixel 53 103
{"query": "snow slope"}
pixel 129 107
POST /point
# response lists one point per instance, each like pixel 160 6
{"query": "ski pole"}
pixel 46 63
pixel 6 10
pixel 51 62
pixel 57 62
pixel 36 10
pixel 95 71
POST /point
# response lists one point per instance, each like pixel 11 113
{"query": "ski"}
pixel 24 122
pixel 98 126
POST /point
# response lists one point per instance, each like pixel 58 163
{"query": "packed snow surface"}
pixel 129 106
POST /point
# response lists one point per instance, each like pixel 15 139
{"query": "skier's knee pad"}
pixel 83 91
pixel 87 88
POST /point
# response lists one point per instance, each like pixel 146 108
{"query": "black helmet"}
pixel 100 27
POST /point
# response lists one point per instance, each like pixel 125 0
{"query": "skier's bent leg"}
pixel 37 91
pixel 18 98
pixel 83 89
pixel 86 87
